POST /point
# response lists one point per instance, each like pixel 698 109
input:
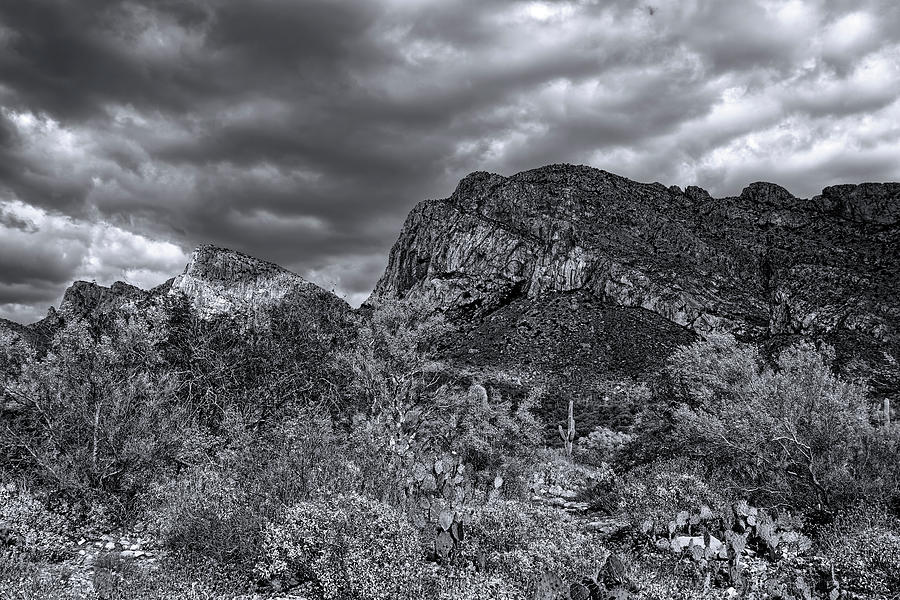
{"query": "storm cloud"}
pixel 303 131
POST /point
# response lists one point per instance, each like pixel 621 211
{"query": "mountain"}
pixel 216 281
pixel 85 298
pixel 577 272
pixel 220 281
pixel 10 332
pixel 764 265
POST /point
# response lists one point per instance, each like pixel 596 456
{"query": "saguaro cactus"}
pixel 568 436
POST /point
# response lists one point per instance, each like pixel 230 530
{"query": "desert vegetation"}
pixel 158 455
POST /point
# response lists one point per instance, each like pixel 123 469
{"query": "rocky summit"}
pixel 763 265
pixel 219 281
pixel 215 282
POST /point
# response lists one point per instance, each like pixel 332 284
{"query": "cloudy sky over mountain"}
pixel 303 131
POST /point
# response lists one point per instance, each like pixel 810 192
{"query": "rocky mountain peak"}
pixel 768 194
pixel 759 265
pixel 219 280
pixel 872 203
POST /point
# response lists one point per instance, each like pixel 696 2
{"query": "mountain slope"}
pixel 216 281
pixel 760 265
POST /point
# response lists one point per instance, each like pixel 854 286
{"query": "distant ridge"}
pixel 550 266
pixel 220 281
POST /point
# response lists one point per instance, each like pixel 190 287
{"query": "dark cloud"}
pixel 303 132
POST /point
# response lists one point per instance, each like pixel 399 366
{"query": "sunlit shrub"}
pixel 794 434
pixel 551 473
pixel 864 548
pixel 349 546
pixel 470 584
pixel 601 445
pixel 208 514
pixel 519 540
pixel 652 495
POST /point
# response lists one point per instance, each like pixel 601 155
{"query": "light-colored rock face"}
pixel 764 263
pixel 218 281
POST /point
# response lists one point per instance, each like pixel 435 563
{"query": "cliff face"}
pixel 763 263
pixel 220 281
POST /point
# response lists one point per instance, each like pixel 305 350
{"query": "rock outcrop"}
pixel 216 281
pixel 84 298
pixel 11 332
pixel 219 281
pixel 760 265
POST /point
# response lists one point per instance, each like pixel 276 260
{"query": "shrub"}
pixel 27 526
pixel 349 547
pixel 519 540
pixel 208 514
pixel 219 510
pixel 22 579
pixel 654 494
pixel 601 445
pixel 98 415
pixel 552 473
pixel 469 584
pixel 794 434
pixel 864 548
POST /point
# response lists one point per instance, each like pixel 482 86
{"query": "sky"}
pixel 303 131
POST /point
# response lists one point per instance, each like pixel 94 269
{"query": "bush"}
pixel 218 510
pixel 468 584
pixel 208 514
pixel 794 434
pixel 27 527
pixel 349 547
pixel 98 416
pixel 864 548
pixel 551 473
pixel 654 494
pixel 520 540
pixel 601 445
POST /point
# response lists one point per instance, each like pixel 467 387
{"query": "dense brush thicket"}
pixel 340 460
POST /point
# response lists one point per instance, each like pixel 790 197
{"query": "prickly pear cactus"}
pixel 613 572
pixel 449 532
pixel 443 546
pixel 619 593
pixel 596 590
pixel 578 591
pixel 550 586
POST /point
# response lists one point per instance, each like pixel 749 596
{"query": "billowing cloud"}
pixel 303 132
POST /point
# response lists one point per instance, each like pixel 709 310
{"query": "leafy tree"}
pixel 97 412
pixel 793 434
pixel 390 362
